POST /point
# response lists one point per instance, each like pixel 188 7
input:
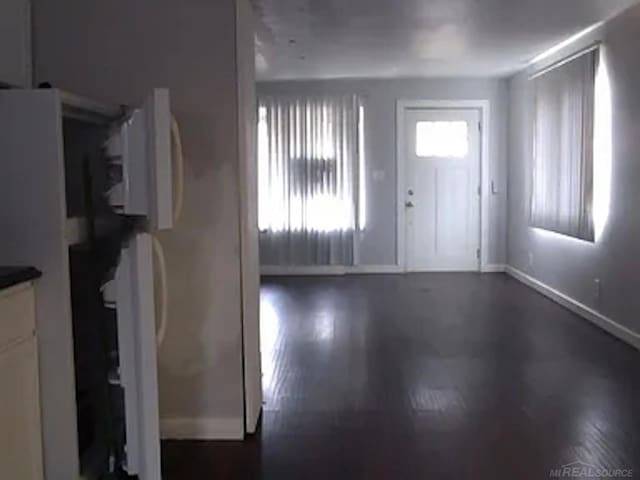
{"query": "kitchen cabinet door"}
pixel 20 437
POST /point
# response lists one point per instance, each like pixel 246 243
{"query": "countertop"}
pixel 10 276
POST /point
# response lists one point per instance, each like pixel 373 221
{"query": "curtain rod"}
pixel 564 61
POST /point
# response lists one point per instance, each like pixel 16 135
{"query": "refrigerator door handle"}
pixel 164 290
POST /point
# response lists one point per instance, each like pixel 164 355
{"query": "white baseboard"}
pixel 606 323
pixel 328 270
pixel 202 428
pixel 375 269
pixel 334 270
pixel 275 270
pixel 495 268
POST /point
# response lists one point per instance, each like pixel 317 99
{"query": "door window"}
pixel 442 139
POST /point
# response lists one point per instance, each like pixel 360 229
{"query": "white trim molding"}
pixel 494 268
pixel 202 428
pixel 485 173
pixel 302 271
pixel 619 331
pixel 331 270
pixel 374 270
pixel 316 271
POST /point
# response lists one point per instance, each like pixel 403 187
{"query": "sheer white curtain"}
pixel 308 179
pixel 562 189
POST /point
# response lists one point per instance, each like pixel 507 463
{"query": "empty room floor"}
pixel 448 376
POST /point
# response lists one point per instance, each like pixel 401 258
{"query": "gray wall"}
pixel 116 51
pixel 15 42
pixel 378 243
pixel 562 263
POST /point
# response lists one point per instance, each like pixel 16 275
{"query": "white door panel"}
pixel 442 183
pixel 137 354
pixel 142 145
pixel 450 196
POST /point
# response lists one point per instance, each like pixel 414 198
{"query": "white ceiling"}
pixel 304 39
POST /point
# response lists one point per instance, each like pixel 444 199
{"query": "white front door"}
pixel 442 197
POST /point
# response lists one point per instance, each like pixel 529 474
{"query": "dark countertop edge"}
pixel 11 276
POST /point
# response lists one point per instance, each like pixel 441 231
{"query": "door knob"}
pixel 409 204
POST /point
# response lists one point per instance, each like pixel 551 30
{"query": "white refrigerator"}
pixel 78 177
pixel 142 145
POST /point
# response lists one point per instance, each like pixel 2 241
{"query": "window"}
pixel 311 179
pixel 563 147
pixel 442 139
pixel 311 164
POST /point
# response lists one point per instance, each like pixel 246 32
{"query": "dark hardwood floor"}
pixel 438 376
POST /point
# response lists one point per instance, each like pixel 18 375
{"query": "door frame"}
pixel 484 107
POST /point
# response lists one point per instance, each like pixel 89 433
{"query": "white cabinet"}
pixel 15 42
pixel 20 436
